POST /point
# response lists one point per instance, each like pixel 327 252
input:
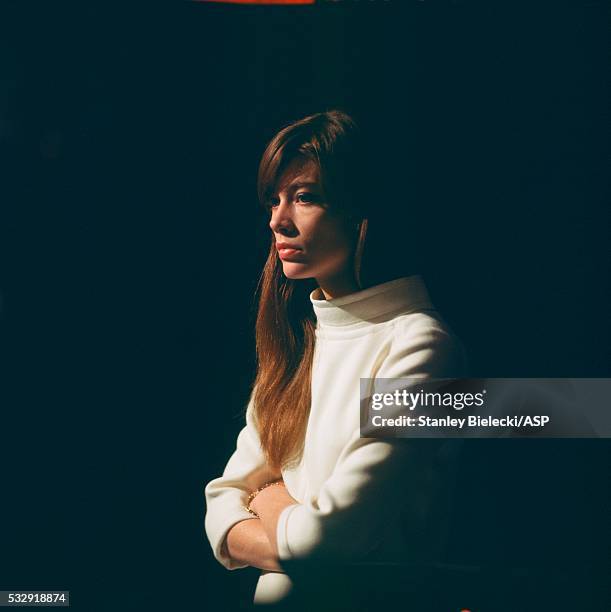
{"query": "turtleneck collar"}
pixel 376 304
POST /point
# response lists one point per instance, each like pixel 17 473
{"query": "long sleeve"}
pixel 425 351
pixel 355 502
pixel 226 496
pixel 373 478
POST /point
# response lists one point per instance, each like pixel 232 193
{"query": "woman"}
pixel 327 317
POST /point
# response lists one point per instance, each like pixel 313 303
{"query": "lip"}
pixel 287 245
pixel 286 250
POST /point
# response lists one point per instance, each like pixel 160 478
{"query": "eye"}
pixel 272 203
pixel 306 197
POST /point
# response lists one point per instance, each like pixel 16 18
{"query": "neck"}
pixel 338 286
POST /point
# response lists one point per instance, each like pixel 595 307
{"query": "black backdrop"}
pixel 130 139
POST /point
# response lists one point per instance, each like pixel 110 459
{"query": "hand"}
pixel 248 543
pixel 271 498
pixel 269 504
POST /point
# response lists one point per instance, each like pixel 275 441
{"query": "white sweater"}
pixel 359 498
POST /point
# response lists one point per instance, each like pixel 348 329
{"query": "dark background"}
pixel 129 140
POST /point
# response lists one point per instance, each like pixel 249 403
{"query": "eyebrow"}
pixel 302 184
pixel 299 184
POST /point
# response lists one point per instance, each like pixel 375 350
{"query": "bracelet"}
pixel 256 492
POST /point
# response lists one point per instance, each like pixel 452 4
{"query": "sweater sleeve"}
pixel 367 488
pixel 226 496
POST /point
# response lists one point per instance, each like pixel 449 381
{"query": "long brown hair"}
pixel 285 324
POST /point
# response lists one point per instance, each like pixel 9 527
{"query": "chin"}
pixel 296 271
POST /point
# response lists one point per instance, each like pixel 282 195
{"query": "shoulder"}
pixel 429 319
pixel 422 343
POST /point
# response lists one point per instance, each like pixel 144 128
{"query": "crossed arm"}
pixel 345 518
pixel 370 483
pixel 253 541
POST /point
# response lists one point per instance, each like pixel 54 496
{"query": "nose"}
pixel 281 221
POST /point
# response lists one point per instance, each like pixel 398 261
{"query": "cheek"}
pixel 332 241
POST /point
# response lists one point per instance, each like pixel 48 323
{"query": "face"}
pixel 312 240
